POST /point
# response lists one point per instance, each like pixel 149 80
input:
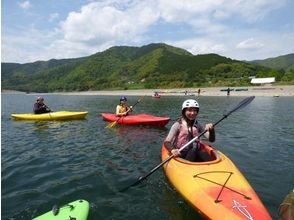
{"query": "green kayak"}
pixel 77 210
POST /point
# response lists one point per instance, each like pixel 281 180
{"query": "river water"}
pixel 45 163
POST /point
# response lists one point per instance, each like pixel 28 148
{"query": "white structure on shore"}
pixel 263 80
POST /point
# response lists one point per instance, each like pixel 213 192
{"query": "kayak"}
pixel 215 188
pixel 77 210
pixel 137 119
pixel 61 115
pixel 156 96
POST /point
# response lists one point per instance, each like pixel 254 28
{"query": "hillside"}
pixel 285 62
pixel 122 67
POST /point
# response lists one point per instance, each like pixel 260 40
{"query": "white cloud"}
pixel 24 5
pixel 208 26
pixel 98 24
pixel 250 44
pixel 200 45
pixel 29 46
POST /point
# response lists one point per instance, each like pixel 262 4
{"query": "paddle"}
pixel 112 124
pixel 47 108
pixel 242 104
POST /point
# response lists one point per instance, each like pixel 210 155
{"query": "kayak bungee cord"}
pixel 242 104
pixel 219 184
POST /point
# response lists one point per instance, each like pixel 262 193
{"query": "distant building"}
pixel 261 81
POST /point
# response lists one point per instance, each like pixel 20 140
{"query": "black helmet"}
pixel 123 98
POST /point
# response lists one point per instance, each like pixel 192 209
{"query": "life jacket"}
pixel 123 108
pixel 185 134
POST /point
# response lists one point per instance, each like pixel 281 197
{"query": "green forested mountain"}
pixel 122 67
pixel 285 62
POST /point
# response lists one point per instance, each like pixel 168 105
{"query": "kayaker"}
pixel 122 109
pixel 286 208
pixel 40 107
pixel 184 130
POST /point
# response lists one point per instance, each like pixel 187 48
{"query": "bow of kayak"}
pixel 60 115
pixel 78 210
pixel 215 188
pixel 137 119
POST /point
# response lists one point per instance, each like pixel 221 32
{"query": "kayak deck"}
pixel 77 210
pixel 216 188
pixel 137 119
pixel 60 115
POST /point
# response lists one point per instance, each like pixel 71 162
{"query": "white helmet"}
pixel 190 103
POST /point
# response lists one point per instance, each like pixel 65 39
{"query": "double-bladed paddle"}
pixel 242 104
pixel 112 124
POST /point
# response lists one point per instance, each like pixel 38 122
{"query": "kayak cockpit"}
pixel 206 154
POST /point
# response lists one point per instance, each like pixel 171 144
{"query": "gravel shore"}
pixel 269 91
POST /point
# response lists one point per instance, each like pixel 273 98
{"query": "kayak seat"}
pixel 206 154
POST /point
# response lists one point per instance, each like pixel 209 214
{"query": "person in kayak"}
pixel 40 107
pixel 184 130
pixel 286 208
pixel 122 109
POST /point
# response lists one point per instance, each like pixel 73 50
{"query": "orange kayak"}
pixel 216 188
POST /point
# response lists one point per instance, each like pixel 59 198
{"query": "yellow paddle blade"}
pixel 111 125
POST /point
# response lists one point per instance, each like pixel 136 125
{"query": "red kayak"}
pixel 156 96
pixel 137 119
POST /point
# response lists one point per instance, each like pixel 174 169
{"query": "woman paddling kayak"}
pixel 184 130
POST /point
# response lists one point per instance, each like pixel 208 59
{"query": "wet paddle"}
pixel 242 104
pixel 112 124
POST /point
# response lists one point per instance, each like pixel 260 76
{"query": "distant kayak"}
pixel 77 210
pixel 156 95
pixel 137 119
pixel 61 115
pixel 214 188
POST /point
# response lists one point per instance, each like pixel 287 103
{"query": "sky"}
pixel 33 30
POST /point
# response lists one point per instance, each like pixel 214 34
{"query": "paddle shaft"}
pixel 47 108
pixel 240 105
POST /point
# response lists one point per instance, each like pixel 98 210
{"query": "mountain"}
pixel 285 62
pixel 155 65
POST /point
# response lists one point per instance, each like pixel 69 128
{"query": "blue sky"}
pixel 34 30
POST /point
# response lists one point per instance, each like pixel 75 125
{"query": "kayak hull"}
pixel 137 119
pixel 60 115
pixel 216 189
pixel 77 210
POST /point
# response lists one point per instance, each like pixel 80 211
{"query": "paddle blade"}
pixel 242 104
pixel 133 184
pixel 111 125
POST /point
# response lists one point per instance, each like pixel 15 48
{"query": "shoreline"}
pixel 260 91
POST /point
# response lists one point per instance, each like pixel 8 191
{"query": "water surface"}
pixel 45 163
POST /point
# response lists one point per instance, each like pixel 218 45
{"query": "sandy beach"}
pixel 268 91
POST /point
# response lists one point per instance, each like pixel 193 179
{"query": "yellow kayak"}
pixel 216 188
pixel 61 115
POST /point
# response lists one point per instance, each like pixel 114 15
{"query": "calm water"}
pixel 45 163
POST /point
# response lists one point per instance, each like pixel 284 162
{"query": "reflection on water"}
pixel 44 163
